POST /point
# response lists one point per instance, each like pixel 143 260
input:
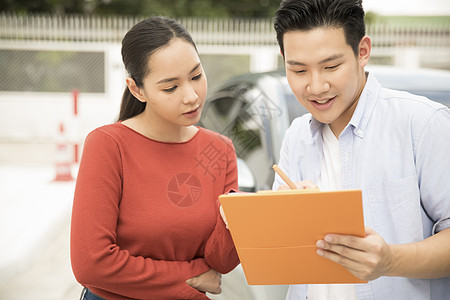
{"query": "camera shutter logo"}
pixel 184 189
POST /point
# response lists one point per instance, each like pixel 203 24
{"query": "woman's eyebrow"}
pixel 195 68
pixel 165 80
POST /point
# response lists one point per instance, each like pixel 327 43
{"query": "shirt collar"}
pixel 314 125
pixel 365 106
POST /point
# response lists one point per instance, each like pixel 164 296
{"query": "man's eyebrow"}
pixel 295 63
pixel 328 59
pixel 333 57
pixel 174 78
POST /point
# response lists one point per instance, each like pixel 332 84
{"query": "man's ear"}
pixel 135 90
pixel 365 46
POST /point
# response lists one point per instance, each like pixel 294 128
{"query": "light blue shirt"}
pixel 396 149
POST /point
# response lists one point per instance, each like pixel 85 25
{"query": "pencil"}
pixel 284 177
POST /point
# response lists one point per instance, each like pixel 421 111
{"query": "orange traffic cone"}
pixel 63 159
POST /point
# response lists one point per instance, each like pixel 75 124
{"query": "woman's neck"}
pixel 158 131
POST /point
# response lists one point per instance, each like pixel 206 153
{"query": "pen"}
pixel 284 177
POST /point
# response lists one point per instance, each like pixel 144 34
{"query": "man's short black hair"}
pixel 305 15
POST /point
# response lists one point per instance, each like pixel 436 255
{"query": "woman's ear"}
pixel 135 90
pixel 365 46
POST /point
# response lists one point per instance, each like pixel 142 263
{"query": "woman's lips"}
pixel 192 113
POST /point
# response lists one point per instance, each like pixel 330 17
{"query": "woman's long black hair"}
pixel 140 42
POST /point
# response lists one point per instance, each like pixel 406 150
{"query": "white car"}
pixel 255 110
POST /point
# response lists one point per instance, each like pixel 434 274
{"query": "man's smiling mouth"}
pixel 323 100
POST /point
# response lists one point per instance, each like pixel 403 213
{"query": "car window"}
pixel 433 84
pixel 220 112
pixel 245 118
pixel 295 109
pixel 438 96
pixel 235 117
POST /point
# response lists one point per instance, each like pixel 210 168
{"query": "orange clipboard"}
pixel 275 233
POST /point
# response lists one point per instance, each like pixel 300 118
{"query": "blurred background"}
pixel 61 76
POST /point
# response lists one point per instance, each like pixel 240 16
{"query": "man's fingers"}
pixel 350 241
pixel 344 251
pixel 306 184
pixel 355 267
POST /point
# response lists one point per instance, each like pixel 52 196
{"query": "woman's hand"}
pixel 208 282
pixel 222 214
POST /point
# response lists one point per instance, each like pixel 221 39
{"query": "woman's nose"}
pixel 190 95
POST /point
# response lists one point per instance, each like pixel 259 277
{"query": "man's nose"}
pixel 317 84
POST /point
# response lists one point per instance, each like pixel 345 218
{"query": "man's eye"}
pixel 332 67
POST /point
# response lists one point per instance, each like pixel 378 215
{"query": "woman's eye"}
pixel 197 77
pixel 169 90
pixel 300 71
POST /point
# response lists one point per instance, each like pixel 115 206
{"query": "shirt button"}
pixel 359 132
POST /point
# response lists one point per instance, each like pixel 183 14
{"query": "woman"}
pixel 145 220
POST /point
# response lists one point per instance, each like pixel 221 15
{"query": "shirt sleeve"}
pixel 97 261
pixel 433 167
pixel 220 252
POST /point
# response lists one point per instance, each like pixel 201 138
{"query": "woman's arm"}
pixel 220 252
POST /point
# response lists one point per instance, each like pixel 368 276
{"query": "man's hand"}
pixel 301 185
pixel 367 258
pixel 208 282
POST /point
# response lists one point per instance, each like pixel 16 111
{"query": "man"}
pixel 392 145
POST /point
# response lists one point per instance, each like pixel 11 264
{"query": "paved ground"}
pixel 49 277
pixel 34 223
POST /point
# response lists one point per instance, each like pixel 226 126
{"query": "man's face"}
pixel 324 74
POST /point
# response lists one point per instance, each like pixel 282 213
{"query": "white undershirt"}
pixel 331 179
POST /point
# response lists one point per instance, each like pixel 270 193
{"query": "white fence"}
pixel 252 32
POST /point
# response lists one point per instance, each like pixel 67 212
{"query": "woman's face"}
pixel 175 88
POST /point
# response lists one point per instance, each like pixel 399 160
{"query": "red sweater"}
pixel 145 213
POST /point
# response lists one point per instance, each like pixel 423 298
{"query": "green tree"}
pixel 43 6
pixel 370 18
pixel 178 8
